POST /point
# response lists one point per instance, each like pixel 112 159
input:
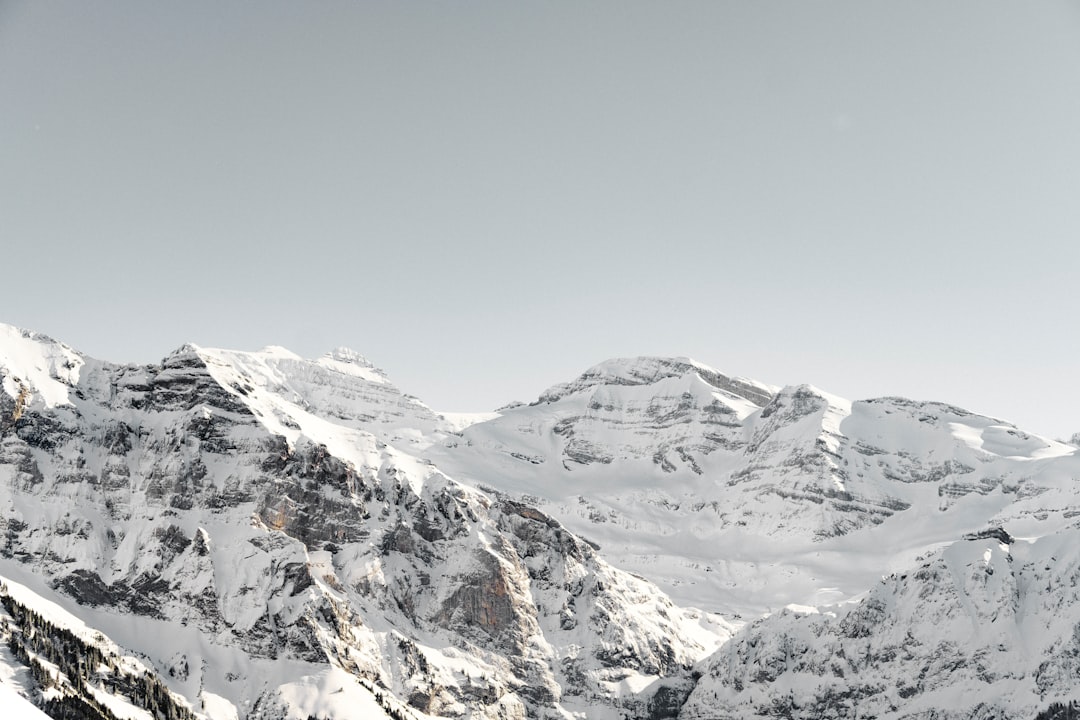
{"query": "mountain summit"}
pixel 244 535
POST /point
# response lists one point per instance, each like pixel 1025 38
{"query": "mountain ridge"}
pixel 143 490
pixel 306 523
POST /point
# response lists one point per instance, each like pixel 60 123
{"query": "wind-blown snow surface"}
pixel 261 528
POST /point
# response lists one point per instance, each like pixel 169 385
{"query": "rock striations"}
pixel 241 535
pixel 258 520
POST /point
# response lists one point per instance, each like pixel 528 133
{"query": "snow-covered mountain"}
pixel 248 521
pixel 987 627
pixel 278 537
pixel 740 497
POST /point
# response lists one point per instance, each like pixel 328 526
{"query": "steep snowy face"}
pixel 987 627
pixel 251 521
pixel 38 372
pixel 731 505
pixel 341 388
pixel 281 537
pixel 52 659
pixel 852 465
pixel 644 371
pixel 664 410
pixel 667 412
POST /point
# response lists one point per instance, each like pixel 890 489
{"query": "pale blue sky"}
pixel 486 197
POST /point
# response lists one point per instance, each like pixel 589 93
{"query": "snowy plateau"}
pixel 254 535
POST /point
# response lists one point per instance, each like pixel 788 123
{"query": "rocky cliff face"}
pixel 280 537
pixel 988 627
pixel 236 496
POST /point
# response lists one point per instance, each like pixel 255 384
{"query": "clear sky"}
pixel 485 198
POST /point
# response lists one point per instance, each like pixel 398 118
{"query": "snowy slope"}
pixel 341 389
pixel 744 503
pixel 989 626
pixel 259 527
pixel 277 536
pixel 52 660
pixel 328 693
pixel 13 691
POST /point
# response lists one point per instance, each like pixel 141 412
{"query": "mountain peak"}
pixel 185 349
pixel 279 351
pixel 36 366
pixel 648 370
pixel 349 356
pixel 305 540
